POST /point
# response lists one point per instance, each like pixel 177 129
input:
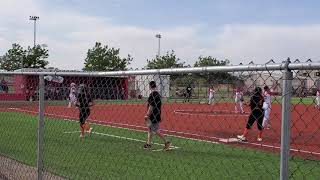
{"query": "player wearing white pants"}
pixel 72 95
pixel 211 95
pixel 318 99
pixel 266 107
pixel 239 101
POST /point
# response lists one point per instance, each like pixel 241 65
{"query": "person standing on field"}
pixel 211 95
pixel 188 93
pixel 318 99
pixel 256 115
pixel 266 107
pixel 72 95
pixel 84 103
pixel 153 117
pixel 239 101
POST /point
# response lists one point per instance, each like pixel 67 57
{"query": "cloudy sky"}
pixel 238 30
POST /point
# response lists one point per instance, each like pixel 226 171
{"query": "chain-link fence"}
pixel 231 122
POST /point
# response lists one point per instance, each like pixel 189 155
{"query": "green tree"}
pixel 169 60
pixel 210 61
pixel 103 58
pixel 12 60
pixel 17 57
pixel 215 78
pixel 35 57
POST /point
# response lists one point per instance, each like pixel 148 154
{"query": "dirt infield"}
pixel 217 123
pixel 14 170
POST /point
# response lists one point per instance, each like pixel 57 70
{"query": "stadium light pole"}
pixel 159 37
pixel 158 56
pixel 34 19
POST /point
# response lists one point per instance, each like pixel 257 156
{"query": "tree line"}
pixel 17 58
pixel 104 58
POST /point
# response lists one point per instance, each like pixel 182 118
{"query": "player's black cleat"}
pixel 147 146
pixel 167 146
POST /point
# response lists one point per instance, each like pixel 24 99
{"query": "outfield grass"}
pixel 101 156
pixel 298 100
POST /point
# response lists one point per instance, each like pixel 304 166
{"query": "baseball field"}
pixel 202 136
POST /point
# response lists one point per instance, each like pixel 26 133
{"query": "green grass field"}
pixel 114 153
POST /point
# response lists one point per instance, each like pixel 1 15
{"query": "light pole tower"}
pixel 159 37
pixel 34 19
pixel 158 56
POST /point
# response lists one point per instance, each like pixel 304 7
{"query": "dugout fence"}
pixel 40 138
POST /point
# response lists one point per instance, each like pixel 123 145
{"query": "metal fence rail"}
pixel 237 68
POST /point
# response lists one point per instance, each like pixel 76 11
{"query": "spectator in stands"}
pixel 4 85
pixel 1 89
pixel 179 93
pixel 32 94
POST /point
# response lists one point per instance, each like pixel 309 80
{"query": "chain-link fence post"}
pixel 40 146
pixel 285 123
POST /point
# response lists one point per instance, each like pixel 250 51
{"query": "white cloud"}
pixel 139 42
pixel 261 43
pixel 69 34
pixel 17 9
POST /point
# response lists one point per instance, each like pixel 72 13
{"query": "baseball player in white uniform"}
pixel 266 107
pixel 239 101
pixel 72 95
pixel 211 95
pixel 318 99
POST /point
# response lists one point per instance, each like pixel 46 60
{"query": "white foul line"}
pixel 107 124
pixel 277 147
pixel 178 132
pixel 121 137
pixel 203 114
